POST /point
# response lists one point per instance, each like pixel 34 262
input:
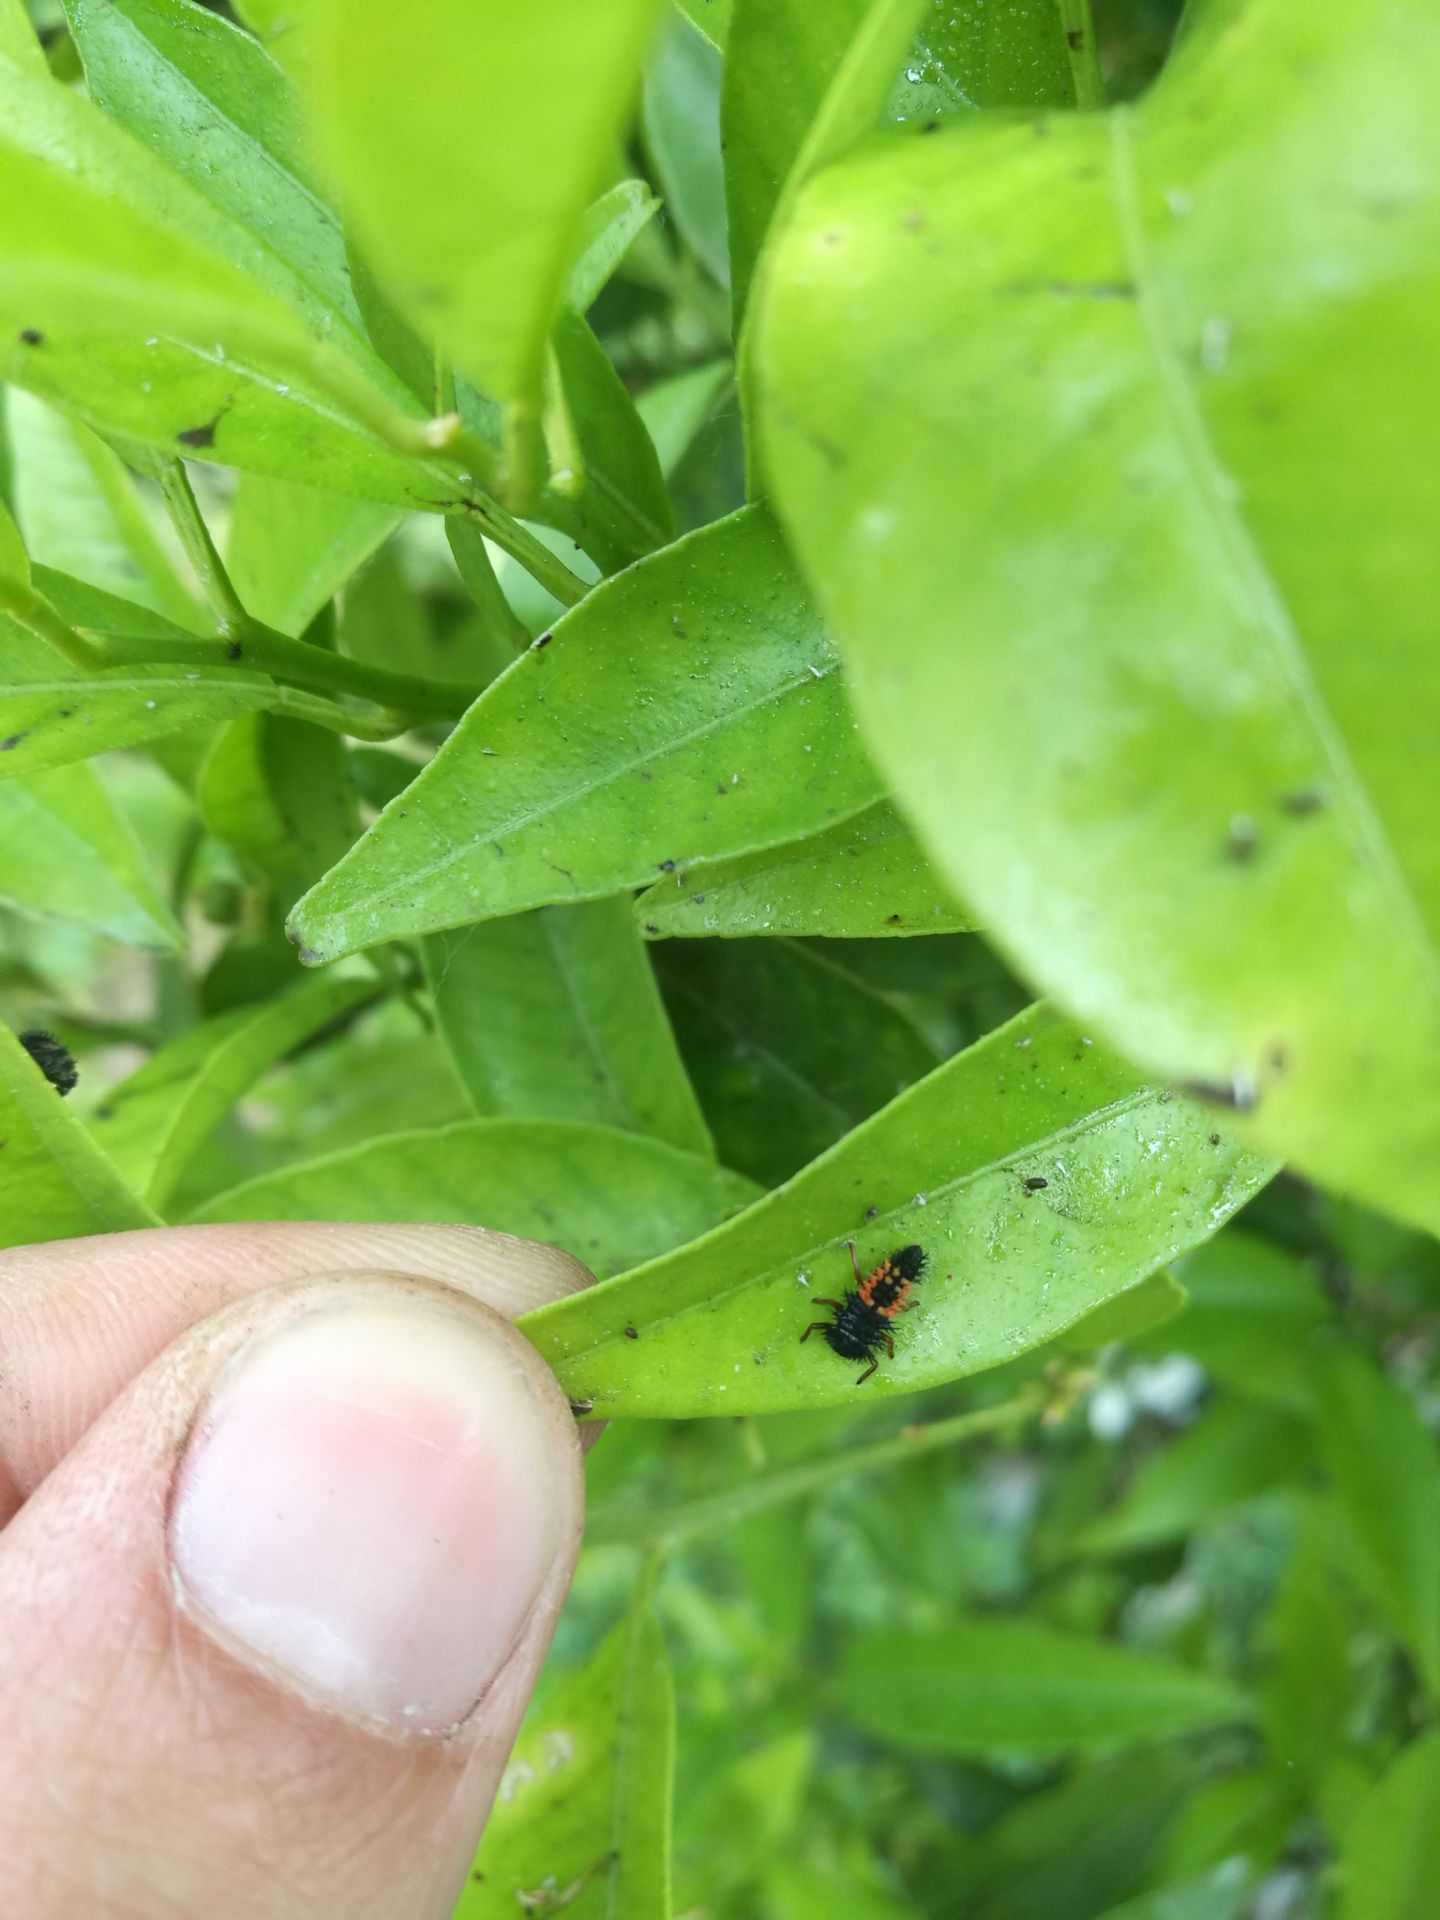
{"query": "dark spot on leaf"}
pixel 234 650
pixel 667 866
pixel 52 1057
pixel 13 740
pixel 32 337
pixel 1241 839
pixel 650 927
pixel 871 1211
pixel 930 126
pixel 1303 801
pixel 631 1334
pixel 1074 39
pixel 698 898
pixel 1214 1139
pixel 1032 1183
pixel 892 919
pixel 197 436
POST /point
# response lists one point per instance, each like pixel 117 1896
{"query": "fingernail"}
pixel 368 1503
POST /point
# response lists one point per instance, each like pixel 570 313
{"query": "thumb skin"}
pixel 267 1632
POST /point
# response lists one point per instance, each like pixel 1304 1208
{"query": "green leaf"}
pixel 688 708
pixel 583 1812
pixel 789 1049
pixel 291 548
pixel 1251 1318
pixel 1023 1687
pixel 153 1123
pixel 17 36
pixel 51 720
pixel 1157 1301
pixel 1391 1857
pixel 210 102
pixel 1304 1700
pixel 864 877
pixel 70 853
pixel 712 17
pixel 994 56
pixel 555 1015
pixel 1230 1454
pixel 1161 438
pixel 1222 1894
pixel 682 133
pixel 475 235
pixel 1382 1460
pixel 79 512
pixel 612 1199
pixel 675 410
pixel 621 507
pixel 1132 1177
pixel 55 1183
pixel 1089 1841
pixel 604 236
pixel 782 57
pixel 278 791
pixel 130 299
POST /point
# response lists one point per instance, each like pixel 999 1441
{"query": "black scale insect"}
pixel 861 1323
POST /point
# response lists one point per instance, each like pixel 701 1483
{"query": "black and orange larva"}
pixel 860 1325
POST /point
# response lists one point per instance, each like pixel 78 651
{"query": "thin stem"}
pixel 37 616
pixel 290 705
pixel 727 1508
pixel 1084 55
pixel 291 661
pixel 522 545
pixel 189 523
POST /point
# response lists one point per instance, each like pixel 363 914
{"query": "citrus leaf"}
pixel 1023 1687
pixel 1107 658
pixel 70 854
pixel 156 1120
pixel 612 1199
pixel 867 876
pixel 688 708
pixel 1132 1177
pixel 555 1015
pixel 55 1183
pixel 583 1812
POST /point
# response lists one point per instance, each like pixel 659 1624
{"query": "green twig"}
pixel 522 545
pixel 726 1509
pixel 264 651
pixel 290 705
pixel 37 616
pixel 200 551
pixel 1079 32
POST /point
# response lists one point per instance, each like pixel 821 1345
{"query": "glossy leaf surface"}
pixel 1132 1175
pixel 1109 657
pixel 867 876
pixel 690 707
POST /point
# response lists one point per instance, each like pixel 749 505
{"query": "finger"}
pixel 80 1318
pixel 267 1631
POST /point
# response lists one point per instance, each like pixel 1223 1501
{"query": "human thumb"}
pixel 268 1630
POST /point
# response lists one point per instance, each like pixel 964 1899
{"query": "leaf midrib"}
pixel 1267 604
